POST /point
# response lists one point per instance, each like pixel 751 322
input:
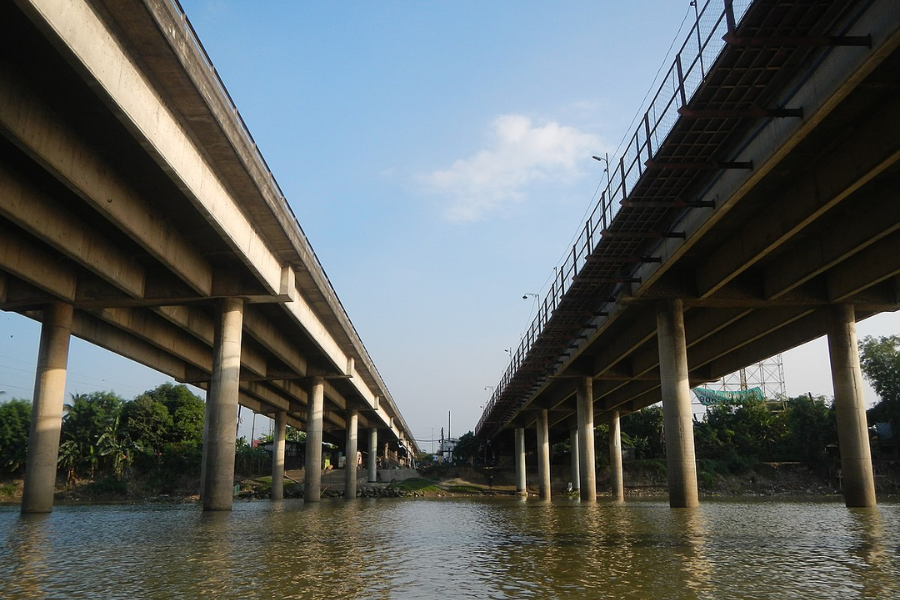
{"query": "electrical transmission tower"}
pixel 767 375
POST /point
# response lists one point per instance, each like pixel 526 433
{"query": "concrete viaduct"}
pixel 137 213
pixel 755 208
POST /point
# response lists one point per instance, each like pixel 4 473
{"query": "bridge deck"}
pixel 744 207
pixel 131 189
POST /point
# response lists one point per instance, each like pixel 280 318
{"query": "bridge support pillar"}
pixel 615 458
pixel 588 462
pixel 676 397
pixel 372 462
pixel 543 451
pixel 853 437
pixel 46 412
pixel 576 469
pixel 278 455
pixel 521 485
pixel 350 464
pixel 222 406
pixel 312 481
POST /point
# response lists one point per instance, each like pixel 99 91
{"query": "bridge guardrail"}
pixel 701 47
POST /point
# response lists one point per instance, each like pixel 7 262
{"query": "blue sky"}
pixel 438 157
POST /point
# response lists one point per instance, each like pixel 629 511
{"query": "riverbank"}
pixel 642 479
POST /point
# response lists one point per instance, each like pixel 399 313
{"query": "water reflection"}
pixel 25 544
pixel 464 548
pixel 879 571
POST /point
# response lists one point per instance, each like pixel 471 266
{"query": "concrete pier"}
pixel 853 437
pixel 521 484
pixel 543 453
pixel 350 464
pixel 617 485
pixel 278 455
pixel 372 462
pixel 576 469
pixel 312 482
pixel 222 407
pixel 588 462
pixel 676 397
pixel 46 411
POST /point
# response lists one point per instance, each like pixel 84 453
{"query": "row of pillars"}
pixel 220 424
pixel 856 460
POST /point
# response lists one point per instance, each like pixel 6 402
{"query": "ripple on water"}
pixel 460 548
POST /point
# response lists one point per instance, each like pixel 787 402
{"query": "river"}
pixel 454 548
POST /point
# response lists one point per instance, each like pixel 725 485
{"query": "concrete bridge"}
pixel 755 209
pixel 136 213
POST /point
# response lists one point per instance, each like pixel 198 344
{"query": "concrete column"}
pixel 350 474
pixel 853 436
pixel 312 482
pixel 676 397
pixel 46 411
pixel 576 469
pixel 543 452
pixel 373 455
pixel 222 407
pixel 521 484
pixel 278 455
pixel 588 461
pixel 615 458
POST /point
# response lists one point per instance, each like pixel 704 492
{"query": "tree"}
pixel 811 427
pixel 880 362
pixel 88 417
pixel 643 431
pixel 740 435
pixel 186 409
pixel 117 445
pixel 15 420
pixel 467 447
pixel 148 422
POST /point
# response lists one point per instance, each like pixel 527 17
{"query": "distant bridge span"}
pixel 755 208
pixel 137 214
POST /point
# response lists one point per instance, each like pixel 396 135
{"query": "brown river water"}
pixel 454 548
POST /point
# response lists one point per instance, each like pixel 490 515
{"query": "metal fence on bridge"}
pixel 702 45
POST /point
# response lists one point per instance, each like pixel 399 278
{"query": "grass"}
pixel 417 484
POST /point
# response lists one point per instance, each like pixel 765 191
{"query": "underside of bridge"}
pixel 131 190
pixel 773 197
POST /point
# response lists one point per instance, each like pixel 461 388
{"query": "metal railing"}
pixel 701 47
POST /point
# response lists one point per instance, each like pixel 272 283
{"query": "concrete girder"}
pixel 804 329
pixel 156 331
pixel 36 266
pixel 274 340
pixel 819 94
pixel 862 270
pixel 45 137
pixel 816 191
pixel 33 211
pixel 814 255
pixel 105 335
pixel 118 81
pixel 753 327
pixel 699 326
pixel 624 345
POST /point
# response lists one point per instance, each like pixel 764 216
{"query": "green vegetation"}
pixel 417 484
pixel 107 440
pixel 15 420
pixel 467 448
pixel 735 439
pixel 880 362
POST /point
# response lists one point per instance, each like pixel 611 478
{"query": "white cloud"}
pixel 518 154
